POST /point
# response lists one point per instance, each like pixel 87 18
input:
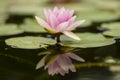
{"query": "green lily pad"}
pixel 32 28
pixel 88 40
pixel 112 33
pixel 31 25
pixel 113 29
pixel 29 42
pixel 112 26
pixel 80 7
pixel 24 10
pixel 11 29
pixel 98 16
pixel 110 5
pixel 30 21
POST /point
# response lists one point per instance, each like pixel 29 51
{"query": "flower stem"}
pixel 58 37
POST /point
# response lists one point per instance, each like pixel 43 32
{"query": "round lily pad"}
pixel 11 29
pixel 29 42
pixel 88 40
pixel 33 28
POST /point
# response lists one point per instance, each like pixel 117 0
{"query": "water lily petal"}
pixel 53 21
pixel 71 12
pixel 51 68
pixel 71 20
pixel 62 62
pixel 61 27
pixel 74 25
pixel 62 9
pixel 44 24
pixel 47 15
pixel 71 35
pixel 75 57
pixel 70 65
pixel 56 11
pixel 41 63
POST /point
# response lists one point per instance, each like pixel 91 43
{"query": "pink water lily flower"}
pixel 60 21
pixel 59 64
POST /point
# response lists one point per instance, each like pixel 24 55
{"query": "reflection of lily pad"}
pixel 29 42
pixel 32 28
pixel 88 40
pixel 6 30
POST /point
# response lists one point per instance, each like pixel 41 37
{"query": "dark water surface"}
pixel 19 64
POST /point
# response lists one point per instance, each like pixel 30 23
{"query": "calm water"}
pixel 19 64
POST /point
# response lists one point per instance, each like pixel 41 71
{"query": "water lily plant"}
pixel 60 21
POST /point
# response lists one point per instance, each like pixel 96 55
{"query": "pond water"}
pixel 19 64
pixel 28 52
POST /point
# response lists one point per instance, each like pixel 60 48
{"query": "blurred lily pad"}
pixel 32 28
pixel 99 16
pixel 25 10
pixel 109 5
pixel 112 26
pixel 112 33
pixel 30 21
pixel 31 25
pixel 80 7
pixel 88 40
pixel 113 29
pixel 10 29
pixel 29 42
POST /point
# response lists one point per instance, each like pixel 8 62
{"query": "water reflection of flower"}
pixel 59 63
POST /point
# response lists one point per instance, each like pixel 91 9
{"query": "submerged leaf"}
pixel 88 40
pixel 29 42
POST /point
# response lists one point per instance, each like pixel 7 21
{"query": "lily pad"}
pixel 29 42
pixel 11 29
pixel 88 40
pixel 24 10
pixel 112 26
pixel 30 21
pixel 112 33
pixel 110 5
pixel 113 29
pixel 33 28
pixel 31 25
pixel 99 16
